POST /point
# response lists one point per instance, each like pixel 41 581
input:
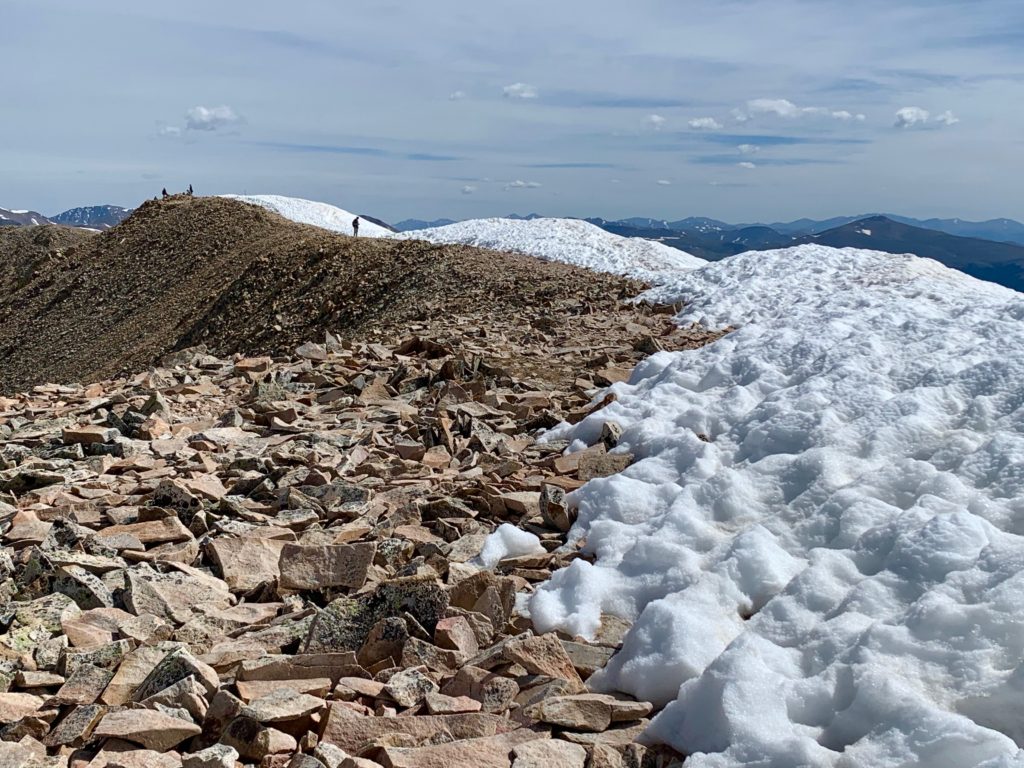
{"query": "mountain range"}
pixel 91 217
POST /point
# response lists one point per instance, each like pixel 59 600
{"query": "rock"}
pixel 581 713
pixel 246 563
pixel 554 509
pixel 248 690
pixel 175 666
pixel 409 687
pixel 153 730
pixel 217 756
pixel 254 741
pixel 543 655
pixel 440 704
pixel 76 727
pixel 455 633
pixel 494 692
pixel 486 752
pixel 88 435
pixel 335 565
pixel 330 755
pixel 521 502
pixel 548 753
pixel 84 685
pixel 352 732
pixel 13 755
pixel 386 640
pixel 283 705
pixel 603 465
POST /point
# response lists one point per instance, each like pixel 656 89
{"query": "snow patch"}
pixel 570 241
pixel 834 577
pixel 508 541
pixel 320 215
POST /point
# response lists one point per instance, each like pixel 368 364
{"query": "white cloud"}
pixel 664 182
pixel 748 165
pixel 519 91
pixel 748 149
pixel 169 130
pixel 917 117
pixel 210 118
pixel 704 124
pixel 787 109
pixel 908 117
pixel 656 122
pixel 740 116
pixel 520 184
pixel 456 95
pixel 469 189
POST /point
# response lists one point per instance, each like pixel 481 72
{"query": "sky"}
pixel 743 110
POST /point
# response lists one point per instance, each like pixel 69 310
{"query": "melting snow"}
pixel 837 577
pixel 570 241
pixel 310 212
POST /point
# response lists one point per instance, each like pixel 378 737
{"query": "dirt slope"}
pixel 241 279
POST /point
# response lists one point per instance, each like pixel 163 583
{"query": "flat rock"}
pixel 548 753
pixel 153 730
pixel 485 752
pixel 352 732
pixel 333 565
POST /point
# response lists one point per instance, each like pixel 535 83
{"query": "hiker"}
pixel 190 190
pixel 355 227
pixel 165 193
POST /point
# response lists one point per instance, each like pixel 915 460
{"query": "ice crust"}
pixel 570 241
pixel 836 577
pixel 508 541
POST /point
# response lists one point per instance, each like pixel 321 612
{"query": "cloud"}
pixel 748 149
pixel 171 131
pixel 655 122
pixel 519 91
pixel 748 165
pixel 469 189
pixel 704 124
pixel 456 95
pixel 520 184
pixel 947 118
pixel 664 182
pixel 210 118
pixel 908 117
pixel 787 109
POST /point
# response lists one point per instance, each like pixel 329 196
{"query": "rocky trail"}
pixel 280 561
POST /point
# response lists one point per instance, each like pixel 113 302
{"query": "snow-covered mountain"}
pixel 821 538
pixel 17 218
pixel 571 241
pixel 321 215
pixel 93 216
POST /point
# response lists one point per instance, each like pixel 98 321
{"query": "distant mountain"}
pixel 93 217
pixel 1000 230
pixel 985 259
pixel 700 224
pixel 408 225
pixel 22 218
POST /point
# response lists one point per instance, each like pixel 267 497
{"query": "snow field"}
pixel 570 241
pixel 837 577
pixel 320 215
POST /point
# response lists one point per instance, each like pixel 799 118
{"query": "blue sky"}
pixel 738 109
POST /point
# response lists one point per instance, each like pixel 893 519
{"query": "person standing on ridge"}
pixel 190 190
pixel 165 193
pixel 355 227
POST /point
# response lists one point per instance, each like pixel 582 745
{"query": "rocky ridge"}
pixel 278 561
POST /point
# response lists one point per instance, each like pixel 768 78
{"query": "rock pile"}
pixel 281 561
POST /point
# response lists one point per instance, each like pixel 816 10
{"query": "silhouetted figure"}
pixel 190 190
pixel 165 193
pixel 355 227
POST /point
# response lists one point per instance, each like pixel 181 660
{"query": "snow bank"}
pixel 311 212
pixel 837 577
pixel 570 241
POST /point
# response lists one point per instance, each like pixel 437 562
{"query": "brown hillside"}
pixel 241 279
